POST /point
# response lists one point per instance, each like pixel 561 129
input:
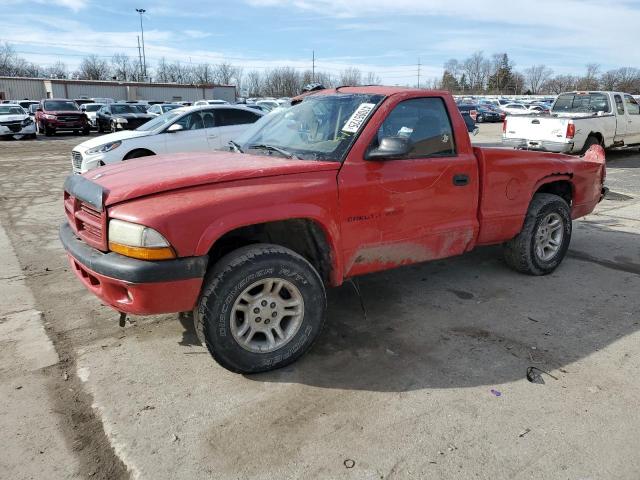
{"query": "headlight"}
pixel 27 121
pixel 137 241
pixel 121 120
pixel 107 147
pixel 49 117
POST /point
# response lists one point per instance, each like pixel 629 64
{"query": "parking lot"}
pixel 421 372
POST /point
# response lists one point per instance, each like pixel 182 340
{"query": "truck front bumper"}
pixel 134 286
pixel 541 145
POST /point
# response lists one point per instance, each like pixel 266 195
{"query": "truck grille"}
pixel 69 118
pixel 14 126
pixel 76 161
pixel 88 223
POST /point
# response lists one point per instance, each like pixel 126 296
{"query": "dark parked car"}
pixel 481 113
pixel 121 116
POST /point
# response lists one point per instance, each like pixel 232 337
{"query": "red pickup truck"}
pixel 54 115
pixel 347 181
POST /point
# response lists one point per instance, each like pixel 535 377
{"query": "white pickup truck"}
pixel 577 121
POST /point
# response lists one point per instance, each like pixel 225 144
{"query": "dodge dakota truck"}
pixel 577 121
pixel 345 182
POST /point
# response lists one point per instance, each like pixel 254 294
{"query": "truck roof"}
pixel 374 90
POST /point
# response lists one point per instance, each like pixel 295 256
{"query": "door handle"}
pixel 461 180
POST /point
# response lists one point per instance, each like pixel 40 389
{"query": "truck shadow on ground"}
pixel 468 321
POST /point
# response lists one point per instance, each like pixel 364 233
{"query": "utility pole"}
pixel 144 56
pixel 313 66
pixel 418 72
pixel 140 60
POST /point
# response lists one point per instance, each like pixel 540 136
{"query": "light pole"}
pixel 144 57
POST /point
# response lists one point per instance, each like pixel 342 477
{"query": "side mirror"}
pixel 390 147
pixel 83 108
pixel 176 127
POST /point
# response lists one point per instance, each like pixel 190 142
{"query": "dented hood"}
pixel 151 175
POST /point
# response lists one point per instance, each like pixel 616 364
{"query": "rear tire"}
pixel 544 240
pixel 261 308
pixel 479 119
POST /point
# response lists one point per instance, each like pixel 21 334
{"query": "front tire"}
pixel 261 308
pixel 544 240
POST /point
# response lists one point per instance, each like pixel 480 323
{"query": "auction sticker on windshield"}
pixel 357 119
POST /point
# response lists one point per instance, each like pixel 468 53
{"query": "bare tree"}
pixel 57 70
pixel 628 80
pixel 590 80
pixel 536 76
pixel 163 71
pixel 372 79
pixel 561 83
pixel 225 73
pixel 350 76
pixel 609 79
pixel 7 59
pixel 179 73
pixel 477 69
pixel 94 68
pixel 203 74
pixel 123 68
pixel 253 83
pixel 282 82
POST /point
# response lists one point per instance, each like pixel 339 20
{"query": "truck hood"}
pixel 151 175
pixel 110 137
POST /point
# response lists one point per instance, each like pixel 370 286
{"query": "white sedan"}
pixel 187 129
pixel 15 122
pixel 515 109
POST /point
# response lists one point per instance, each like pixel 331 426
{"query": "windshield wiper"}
pixel 235 146
pixel 272 148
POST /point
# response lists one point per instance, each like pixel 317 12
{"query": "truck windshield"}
pixel 61 106
pixel 321 127
pixel 581 103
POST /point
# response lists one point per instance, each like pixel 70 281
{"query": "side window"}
pixel 234 116
pixel 425 122
pixel 619 105
pixel 632 106
pixel 154 109
pixel 193 121
pixel 208 118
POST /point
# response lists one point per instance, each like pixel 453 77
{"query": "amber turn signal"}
pixel 143 253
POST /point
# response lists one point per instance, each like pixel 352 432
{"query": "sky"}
pixel 388 37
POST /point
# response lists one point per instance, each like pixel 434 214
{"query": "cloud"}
pixel 196 34
pixel 75 5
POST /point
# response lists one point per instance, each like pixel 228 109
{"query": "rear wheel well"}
pixel 303 236
pixel 561 188
pixel 597 135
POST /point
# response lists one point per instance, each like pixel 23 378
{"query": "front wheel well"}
pixel 561 188
pixel 138 152
pixel 303 236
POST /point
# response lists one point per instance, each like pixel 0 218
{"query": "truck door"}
pixel 633 120
pixel 621 119
pixel 419 207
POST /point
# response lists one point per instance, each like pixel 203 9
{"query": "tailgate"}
pixel 551 129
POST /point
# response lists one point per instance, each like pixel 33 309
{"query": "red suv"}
pixel 53 115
